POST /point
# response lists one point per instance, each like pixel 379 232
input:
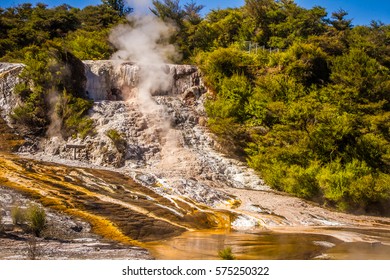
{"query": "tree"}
pixel 339 21
pixel 119 6
pixel 185 19
pixel 192 12
pixel 97 18
pixel 260 13
pixel 169 10
pixel 89 45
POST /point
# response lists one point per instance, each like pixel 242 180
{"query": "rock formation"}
pixel 9 77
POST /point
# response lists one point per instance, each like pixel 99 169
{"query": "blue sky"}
pixel 361 11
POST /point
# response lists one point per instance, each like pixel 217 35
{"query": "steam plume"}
pixel 145 41
pixel 54 129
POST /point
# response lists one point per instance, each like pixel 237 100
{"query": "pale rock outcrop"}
pixel 9 78
pixel 108 79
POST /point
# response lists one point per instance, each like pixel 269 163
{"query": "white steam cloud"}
pixel 141 7
pixel 54 129
pixel 145 42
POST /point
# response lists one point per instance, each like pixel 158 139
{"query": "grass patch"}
pixel 226 254
pixel 18 215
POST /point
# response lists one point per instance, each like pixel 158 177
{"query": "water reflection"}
pixel 267 245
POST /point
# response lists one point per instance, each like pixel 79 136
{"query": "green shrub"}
pixel 118 140
pixel 89 45
pixel 18 215
pixel 114 135
pixel 354 185
pixel 230 104
pixel 302 181
pixel 292 178
pixel 226 254
pixel 36 219
pixel 305 63
pixel 72 112
pixel 226 111
pixel 221 63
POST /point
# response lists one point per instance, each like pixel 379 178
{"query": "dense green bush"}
pixel 89 45
pixel 354 185
pixel 36 219
pixel 72 112
pixel 26 25
pixel 226 110
pixel 221 63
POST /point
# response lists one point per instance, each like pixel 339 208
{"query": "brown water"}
pixel 266 245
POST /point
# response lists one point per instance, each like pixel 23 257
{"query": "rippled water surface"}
pixel 266 245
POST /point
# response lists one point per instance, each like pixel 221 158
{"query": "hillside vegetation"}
pixel 301 94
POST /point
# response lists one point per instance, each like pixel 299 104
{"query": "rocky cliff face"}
pixel 8 79
pixel 163 138
pixel 169 138
pixel 109 80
